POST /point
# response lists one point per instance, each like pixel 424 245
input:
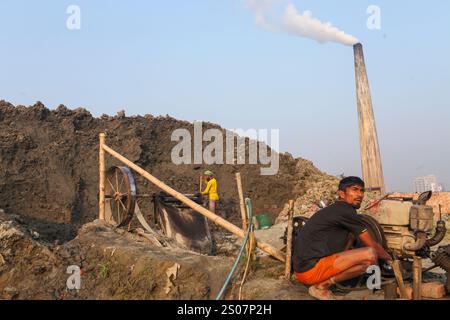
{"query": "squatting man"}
pixel 323 254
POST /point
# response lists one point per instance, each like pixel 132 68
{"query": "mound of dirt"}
pixel 325 190
pixel 49 166
pixel 114 265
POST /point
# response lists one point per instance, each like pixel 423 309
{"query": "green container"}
pixel 264 221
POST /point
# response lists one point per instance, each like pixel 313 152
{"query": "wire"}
pixel 248 203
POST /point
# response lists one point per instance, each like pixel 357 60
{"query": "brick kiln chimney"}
pixel 370 150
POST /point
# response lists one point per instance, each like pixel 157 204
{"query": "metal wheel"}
pixel 374 229
pixel 120 196
pixel 377 234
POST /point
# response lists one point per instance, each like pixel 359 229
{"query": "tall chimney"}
pixel 370 149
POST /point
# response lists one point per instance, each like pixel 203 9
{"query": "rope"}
pixel 248 203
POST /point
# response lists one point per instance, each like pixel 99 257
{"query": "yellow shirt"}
pixel 211 189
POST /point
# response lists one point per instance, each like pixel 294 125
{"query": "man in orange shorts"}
pixel 321 252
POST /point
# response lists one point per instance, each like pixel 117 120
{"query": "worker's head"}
pixel 209 174
pixel 351 191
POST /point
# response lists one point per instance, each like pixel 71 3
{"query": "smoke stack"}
pixel 370 149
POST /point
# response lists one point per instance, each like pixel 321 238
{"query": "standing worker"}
pixel 211 190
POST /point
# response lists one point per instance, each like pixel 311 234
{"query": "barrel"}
pixel 264 221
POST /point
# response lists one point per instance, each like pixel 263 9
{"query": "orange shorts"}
pixel 323 271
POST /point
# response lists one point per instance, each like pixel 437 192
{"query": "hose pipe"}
pixel 441 230
pixel 248 204
pixel 420 242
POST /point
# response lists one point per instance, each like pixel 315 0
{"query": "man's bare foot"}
pixel 322 294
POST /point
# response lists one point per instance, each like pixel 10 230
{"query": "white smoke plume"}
pixel 295 23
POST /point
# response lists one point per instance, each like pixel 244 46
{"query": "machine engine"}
pixel 404 227
pixel 407 225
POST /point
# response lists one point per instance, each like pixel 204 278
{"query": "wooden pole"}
pixel 417 278
pixel 203 211
pixel 399 277
pixel 245 221
pixel 102 170
pixel 289 240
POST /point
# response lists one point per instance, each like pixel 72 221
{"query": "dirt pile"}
pixel 321 192
pixel 307 204
pixel 118 265
pixel 49 165
pixel 114 265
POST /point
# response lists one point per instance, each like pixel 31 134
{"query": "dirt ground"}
pixel 118 265
pixel 115 265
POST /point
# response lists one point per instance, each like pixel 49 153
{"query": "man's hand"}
pixel 366 238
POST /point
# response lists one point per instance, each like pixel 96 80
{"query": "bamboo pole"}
pixel 399 277
pixel 417 278
pixel 245 221
pixel 102 170
pixel 208 214
pixel 289 240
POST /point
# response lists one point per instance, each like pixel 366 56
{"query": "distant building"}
pixel 428 183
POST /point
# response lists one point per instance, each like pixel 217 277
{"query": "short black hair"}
pixel 350 181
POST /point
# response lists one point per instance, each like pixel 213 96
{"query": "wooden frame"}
pixel 198 208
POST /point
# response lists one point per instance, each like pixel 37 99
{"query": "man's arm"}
pixel 366 238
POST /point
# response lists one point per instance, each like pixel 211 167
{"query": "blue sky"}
pixel 207 60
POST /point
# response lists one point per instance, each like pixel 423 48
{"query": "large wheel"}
pixel 374 229
pixel 377 234
pixel 120 196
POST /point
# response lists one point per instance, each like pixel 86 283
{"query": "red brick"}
pixel 433 290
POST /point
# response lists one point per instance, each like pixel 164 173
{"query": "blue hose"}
pixel 248 204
